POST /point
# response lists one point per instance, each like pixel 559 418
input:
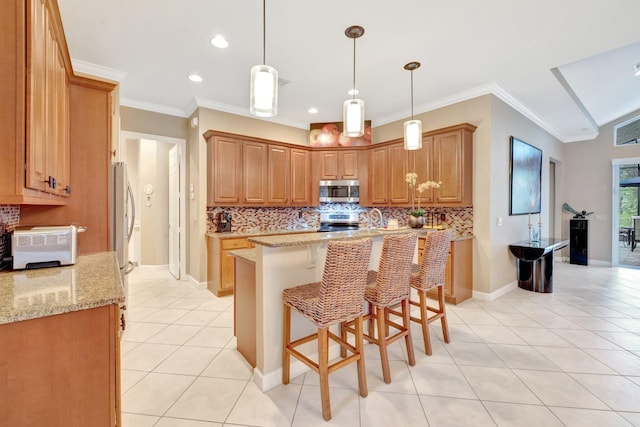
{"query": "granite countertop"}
pixel 245 254
pixel 94 281
pixel 235 234
pixel 303 239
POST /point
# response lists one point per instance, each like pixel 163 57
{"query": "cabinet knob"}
pixel 67 189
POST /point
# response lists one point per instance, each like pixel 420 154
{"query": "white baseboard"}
pixel 484 296
pixel 154 267
pixel 193 282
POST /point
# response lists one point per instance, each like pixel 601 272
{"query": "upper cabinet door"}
pixel 348 164
pixel 398 168
pixel 423 159
pixel 378 176
pixel 329 165
pixel 279 164
pixel 300 177
pixel 254 172
pixel 225 166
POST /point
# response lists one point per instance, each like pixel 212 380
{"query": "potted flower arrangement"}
pixel 416 215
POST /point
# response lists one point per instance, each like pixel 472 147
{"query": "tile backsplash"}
pixel 9 216
pixel 293 218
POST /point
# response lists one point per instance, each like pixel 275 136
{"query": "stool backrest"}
pixel 343 280
pixel 434 258
pixel 392 280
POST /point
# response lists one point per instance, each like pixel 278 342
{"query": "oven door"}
pixel 339 191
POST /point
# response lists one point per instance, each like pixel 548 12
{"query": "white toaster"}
pixel 37 247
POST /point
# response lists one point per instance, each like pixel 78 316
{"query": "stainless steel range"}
pixel 338 221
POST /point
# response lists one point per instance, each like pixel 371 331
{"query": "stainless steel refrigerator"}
pixel 123 213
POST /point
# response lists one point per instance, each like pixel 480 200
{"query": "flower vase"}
pixel 416 221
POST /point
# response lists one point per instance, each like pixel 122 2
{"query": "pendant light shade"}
pixel 353 109
pixel 263 100
pixel 412 128
pixel 412 135
pixel 264 91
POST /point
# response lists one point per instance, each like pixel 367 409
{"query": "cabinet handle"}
pixel 52 182
pixel 122 322
pixel 67 189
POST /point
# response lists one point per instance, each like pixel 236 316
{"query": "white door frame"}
pixel 182 153
pixel 615 205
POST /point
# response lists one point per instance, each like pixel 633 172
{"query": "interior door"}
pixel 174 209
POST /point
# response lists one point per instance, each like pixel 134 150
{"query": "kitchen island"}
pixel 281 262
pixel 59 335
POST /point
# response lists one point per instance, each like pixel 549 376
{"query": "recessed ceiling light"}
pixel 636 69
pixel 353 92
pixel 313 110
pixel 195 78
pixel 219 42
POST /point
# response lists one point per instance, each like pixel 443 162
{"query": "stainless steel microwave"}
pixel 341 191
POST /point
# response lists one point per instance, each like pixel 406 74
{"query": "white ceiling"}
pixel 467 48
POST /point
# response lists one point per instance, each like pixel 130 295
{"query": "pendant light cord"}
pixel 264 32
pixel 354 68
pixel 411 94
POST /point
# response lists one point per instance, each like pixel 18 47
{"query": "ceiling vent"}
pixel 628 132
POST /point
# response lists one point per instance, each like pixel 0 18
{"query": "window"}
pixel 627 133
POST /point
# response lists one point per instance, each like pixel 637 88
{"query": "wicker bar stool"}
pixel 389 287
pixel 427 276
pixel 338 298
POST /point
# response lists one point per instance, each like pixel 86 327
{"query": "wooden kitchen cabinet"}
pixel 220 264
pixel 34 113
pixel 300 177
pixel 61 370
pixel 338 164
pixel 279 175
pixel 255 163
pixel 244 171
pixel 458 281
pixel 446 156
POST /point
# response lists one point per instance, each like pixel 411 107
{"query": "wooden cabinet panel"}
pixel 279 175
pixel 338 164
pixel 458 279
pixel 34 113
pixel 378 175
pixel 220 264
pixel 226 167
pixel 447 167
pixel 254 172
pixel 398 168
pixel 329 165
pixel 422 159
pixel 300 177
pixel 348 164
pixel 61 370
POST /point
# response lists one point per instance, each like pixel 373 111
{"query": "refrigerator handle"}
pixel 133 211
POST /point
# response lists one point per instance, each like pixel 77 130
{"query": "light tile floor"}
pixel 568 358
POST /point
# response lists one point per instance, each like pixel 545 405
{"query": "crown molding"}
pixel 156 108
pixel 206 103
pixel 88 69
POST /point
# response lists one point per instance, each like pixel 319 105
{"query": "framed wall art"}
pixel 330 135
pixel 525 178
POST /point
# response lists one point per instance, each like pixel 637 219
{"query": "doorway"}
pixel 157 172
pixel 626 213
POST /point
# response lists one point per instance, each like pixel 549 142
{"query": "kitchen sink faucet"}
pixel 380 217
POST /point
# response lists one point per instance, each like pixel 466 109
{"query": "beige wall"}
pixel 589 184
pixel 141 121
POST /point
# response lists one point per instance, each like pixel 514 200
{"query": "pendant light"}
pixel 412 128
pixel 264 81
pixel 353 109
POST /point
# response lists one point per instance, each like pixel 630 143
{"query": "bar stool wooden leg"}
pixel 323 371
pixel 424 315
pixel 406 322
pixel 362 373
pixel 382 344
pixel 286 335
pixel 343 335
pixel 443 319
